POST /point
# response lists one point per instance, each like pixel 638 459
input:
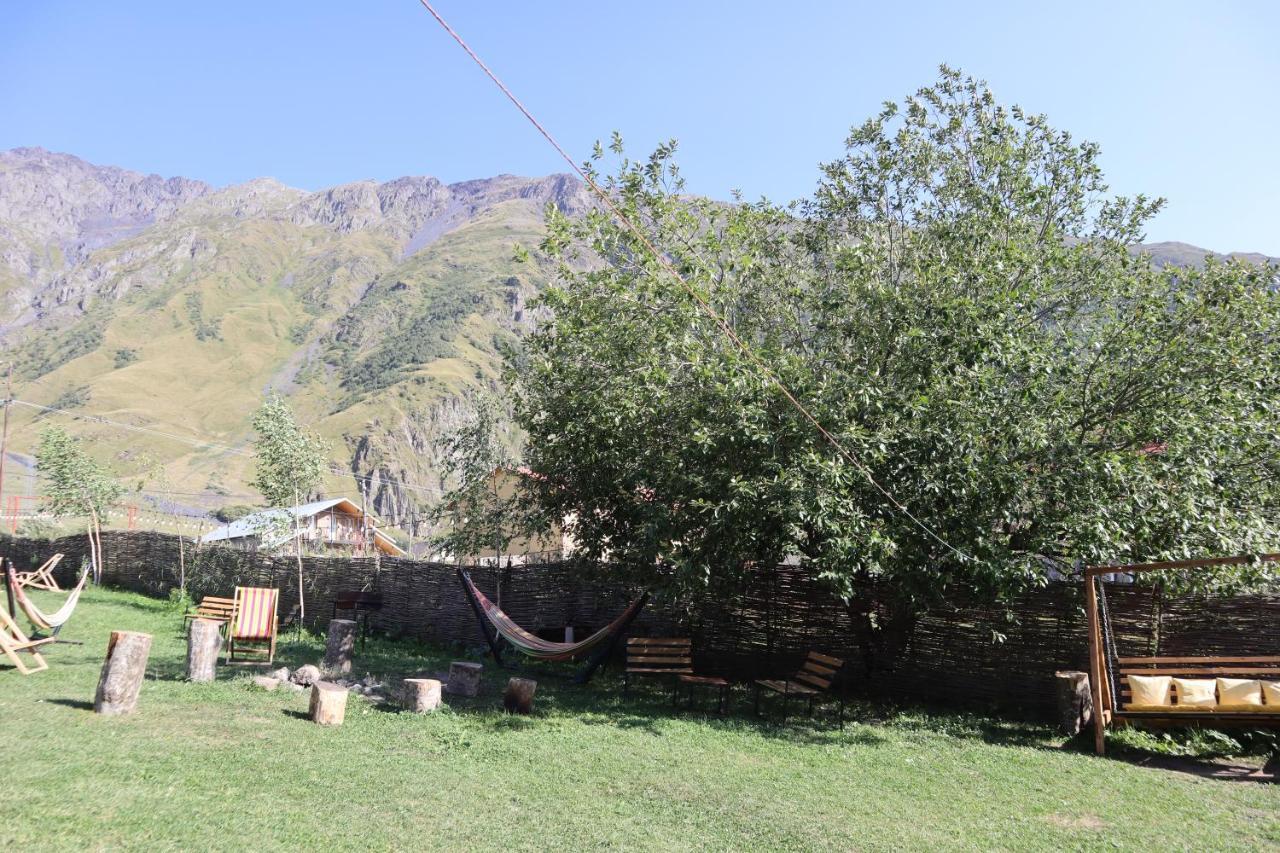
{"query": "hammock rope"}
pixel 48 621
pixel 534 646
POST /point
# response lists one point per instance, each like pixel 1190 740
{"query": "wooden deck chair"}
pixel 12 641
pixel 253 625
pixel 41 578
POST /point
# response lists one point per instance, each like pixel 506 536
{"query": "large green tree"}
pixel 959 305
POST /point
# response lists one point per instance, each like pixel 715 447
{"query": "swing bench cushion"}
pixel 1150 693
pixel 1239 694
pixel 1197 693
pixel 1271 693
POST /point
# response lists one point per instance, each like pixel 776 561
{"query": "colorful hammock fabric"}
pixel 47 621
pixel 534 646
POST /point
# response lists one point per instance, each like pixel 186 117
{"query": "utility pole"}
pixel 4 435
pixel 364 518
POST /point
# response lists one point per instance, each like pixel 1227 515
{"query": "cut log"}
pixel 518 698
pixel 340 646
pixel 464 678
pixel 420 695
pixel 203 645
pixel 328 703
pixel 122 673
pixel 1075 701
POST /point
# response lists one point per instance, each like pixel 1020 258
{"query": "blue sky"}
pixel 1184 98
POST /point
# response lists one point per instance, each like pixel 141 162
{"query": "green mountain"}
pixel 170 305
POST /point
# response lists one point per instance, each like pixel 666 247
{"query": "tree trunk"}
pixel 182 563
pixel 883 628
pixel 328 703
pixel 420 695
pixel 203 644
pixel 518 698
pixel 1075 701
pixel 122 673
pixel 464 678
pixel 340 646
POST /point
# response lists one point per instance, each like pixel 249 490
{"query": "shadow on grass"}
pixel 78 704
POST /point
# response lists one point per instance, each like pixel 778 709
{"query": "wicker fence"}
pixel 952 655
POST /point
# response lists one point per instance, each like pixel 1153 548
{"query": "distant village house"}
pixel 330 525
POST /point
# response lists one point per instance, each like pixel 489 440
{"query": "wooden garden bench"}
pixel 214 609
pixel 1263 668
pixel 814 679
pixel 658 657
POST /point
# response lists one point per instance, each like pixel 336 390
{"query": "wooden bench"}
pixel 214 609
pixel 814 679
pixel 658 657
pixel 1264 668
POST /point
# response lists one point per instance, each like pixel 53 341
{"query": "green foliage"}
pixel 72 398
pixel 179 601
pixel 1193 742
pixel 481 512
pixel 426 339
pixel 74 484
pixel 299 332
pixel 233 512
pixel 125 357
pixel 50 350
pixel 205 329
pixel 957 305
pixel 291 461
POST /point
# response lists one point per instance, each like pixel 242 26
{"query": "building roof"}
pixel 258 523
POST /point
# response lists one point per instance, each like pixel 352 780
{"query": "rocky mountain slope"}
pixel 167 303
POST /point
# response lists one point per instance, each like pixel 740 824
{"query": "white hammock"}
pixel 48 621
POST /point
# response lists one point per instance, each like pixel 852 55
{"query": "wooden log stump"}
pixel 340 646
pixel 328 703
pixel 203 644
pixel 518 698
pixel 1075 701
pixel 122 673
pixel 464 678
pixel 420 695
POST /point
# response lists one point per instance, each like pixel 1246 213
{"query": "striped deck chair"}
pixel 253 625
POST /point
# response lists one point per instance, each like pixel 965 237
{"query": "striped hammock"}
pixel 40 619
pixel 534 646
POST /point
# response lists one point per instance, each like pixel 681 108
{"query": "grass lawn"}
pixel 228 766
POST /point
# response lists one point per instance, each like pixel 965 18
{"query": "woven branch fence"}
pixel 951 656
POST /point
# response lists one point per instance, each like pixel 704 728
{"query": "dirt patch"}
pixel 1084 821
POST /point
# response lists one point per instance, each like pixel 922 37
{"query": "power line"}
pixel 200 442
pixel 723 324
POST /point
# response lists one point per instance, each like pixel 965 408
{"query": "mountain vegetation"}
pixel 377 310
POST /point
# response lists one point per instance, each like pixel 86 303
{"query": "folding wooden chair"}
pixel 41 578
pixel 12 641
pixel 253 625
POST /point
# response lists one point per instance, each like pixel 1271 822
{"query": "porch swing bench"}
pixel 1213 691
